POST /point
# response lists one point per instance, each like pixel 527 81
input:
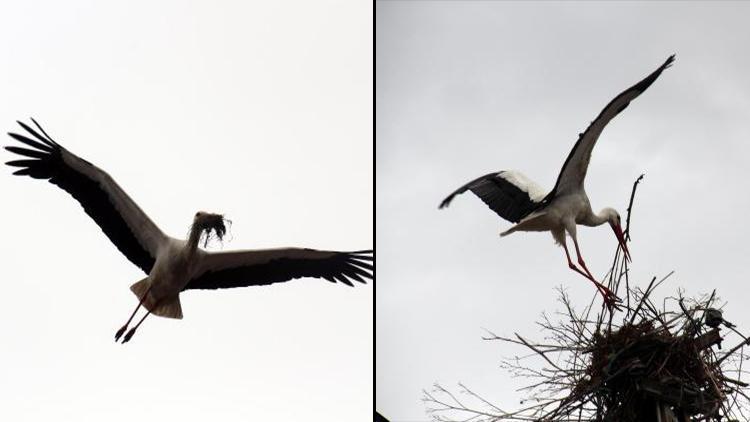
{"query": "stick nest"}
pixel 642 361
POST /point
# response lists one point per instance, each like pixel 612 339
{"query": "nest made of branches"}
pixel 638 362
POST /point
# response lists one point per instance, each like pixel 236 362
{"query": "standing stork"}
pixel 173 265
pixel 517 199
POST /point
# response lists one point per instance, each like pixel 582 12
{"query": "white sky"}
pixel 465 88
pixel 261 111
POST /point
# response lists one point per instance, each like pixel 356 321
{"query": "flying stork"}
pixel 519 200
pixel 173 265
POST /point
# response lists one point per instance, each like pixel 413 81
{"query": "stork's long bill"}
pixel 621 239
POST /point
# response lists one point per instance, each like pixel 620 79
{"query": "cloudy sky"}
pixel 465 88
pixel 262 111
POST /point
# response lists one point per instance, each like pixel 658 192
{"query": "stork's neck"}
pixel 594 220
pixel 195 237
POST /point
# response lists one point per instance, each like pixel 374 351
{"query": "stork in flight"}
pixel 517 199
pixel 173 265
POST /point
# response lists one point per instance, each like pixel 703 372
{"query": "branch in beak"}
pixel 621 239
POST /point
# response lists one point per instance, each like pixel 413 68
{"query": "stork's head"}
pixel 613 217
pixel 205 223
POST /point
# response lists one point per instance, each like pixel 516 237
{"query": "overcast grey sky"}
pixel 259 110
pixel 465 88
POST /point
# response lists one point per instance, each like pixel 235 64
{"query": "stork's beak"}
pixel 621 239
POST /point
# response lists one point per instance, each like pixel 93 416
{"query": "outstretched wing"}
pixel 261 267
pixel 510 194
pixel 574 169
pixel 124 223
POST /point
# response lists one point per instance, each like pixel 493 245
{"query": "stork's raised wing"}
pixel 510 194
pixel 129 228
pixel 574 169
pixel 261 267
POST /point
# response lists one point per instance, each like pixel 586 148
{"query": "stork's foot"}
pixel 611 301
pixel 120 332
pixel 128 336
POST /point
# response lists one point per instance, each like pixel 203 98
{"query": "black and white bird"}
pixel 173 265
pixel 517 199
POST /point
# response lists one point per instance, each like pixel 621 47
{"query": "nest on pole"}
pixel 642 361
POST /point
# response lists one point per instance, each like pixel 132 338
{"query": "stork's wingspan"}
pixel 260 267
pixel 574 169
pixel 510 194
pixel 126 225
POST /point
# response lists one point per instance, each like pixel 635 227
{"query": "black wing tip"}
pixel 362 252
pixel 447 201
pixel 655 74
pixel 46 139
pixel 49 138
pixel 648 80
pixel 16 136
pixel 366 255
pixel 21 172
pixel 22 163
pixel 669 61
pixel 35 155
pixel 357 268
pixel 347 280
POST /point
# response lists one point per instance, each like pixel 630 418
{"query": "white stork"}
pixel 173 265
pixel 517 199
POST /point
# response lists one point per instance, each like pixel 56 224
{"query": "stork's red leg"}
pixel 609 297
pixel 574 268
pixel 125 327
pixel 583 264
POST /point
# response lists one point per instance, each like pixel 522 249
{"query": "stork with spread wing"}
pixel 173 265
pixel 517 199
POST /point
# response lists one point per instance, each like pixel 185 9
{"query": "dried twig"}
pixel 630 207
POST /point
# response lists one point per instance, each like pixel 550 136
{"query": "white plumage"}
pixel 536 192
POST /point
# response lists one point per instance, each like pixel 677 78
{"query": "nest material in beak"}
pixel 210 226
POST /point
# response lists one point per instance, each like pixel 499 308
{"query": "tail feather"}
pixel 140 288
pixel 167 308
pixel 533 222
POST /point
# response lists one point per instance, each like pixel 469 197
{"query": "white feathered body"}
pixel 563 213
pixel 176 264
